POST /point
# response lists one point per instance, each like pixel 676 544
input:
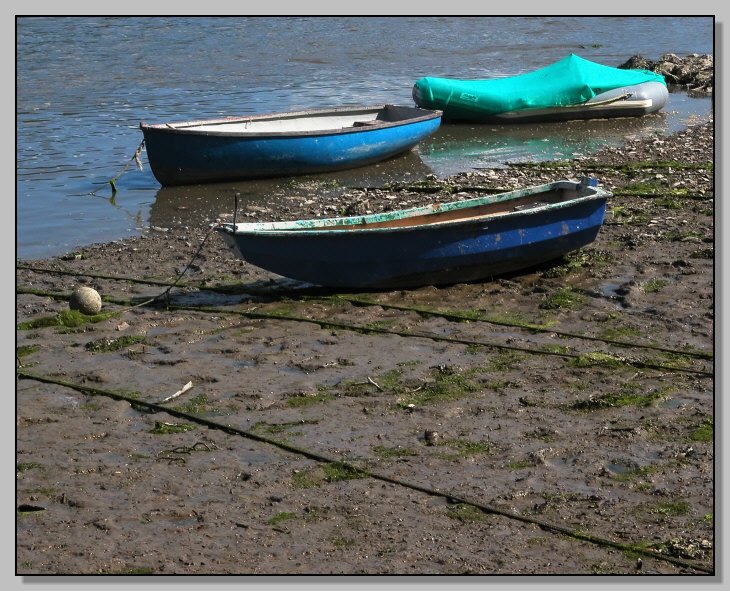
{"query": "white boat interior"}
pixel 302 121
pixel 285 125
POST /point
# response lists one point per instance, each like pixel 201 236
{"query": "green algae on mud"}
pixel 66 319
pixel 542 413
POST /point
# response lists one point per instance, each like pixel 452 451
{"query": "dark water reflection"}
pixel 174 205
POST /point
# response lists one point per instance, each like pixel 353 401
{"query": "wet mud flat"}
pixel 217 419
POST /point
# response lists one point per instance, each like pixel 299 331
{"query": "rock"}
pixel 694 72
pixel 431 437
pixel 637 62
pixel 86 300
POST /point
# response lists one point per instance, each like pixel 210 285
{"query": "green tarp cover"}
pixel 570 81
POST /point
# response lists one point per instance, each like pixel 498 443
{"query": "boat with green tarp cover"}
pixel 572 88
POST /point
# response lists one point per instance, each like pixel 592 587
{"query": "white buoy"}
pixel 86 300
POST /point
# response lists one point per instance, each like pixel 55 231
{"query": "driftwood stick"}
pixel 182 390
pixel 373 382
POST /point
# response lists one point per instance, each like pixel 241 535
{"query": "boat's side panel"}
pixel 627 101
pixel 425 255
pixel 198 158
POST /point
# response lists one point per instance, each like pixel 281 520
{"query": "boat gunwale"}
pixel 188 127
pixel 621 105
pixel 354 225
pixel 600 102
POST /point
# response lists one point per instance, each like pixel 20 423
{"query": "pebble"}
pixel 431 437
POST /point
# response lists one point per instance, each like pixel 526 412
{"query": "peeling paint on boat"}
pixel 431 245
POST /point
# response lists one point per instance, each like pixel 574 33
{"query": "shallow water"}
pixel 85 83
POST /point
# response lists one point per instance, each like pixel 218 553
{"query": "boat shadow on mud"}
pixel 276 289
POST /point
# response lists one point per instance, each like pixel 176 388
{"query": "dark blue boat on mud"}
pixel 283 144
pixel 442 243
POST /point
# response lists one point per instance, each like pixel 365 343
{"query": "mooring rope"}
pixel 447 314
pixel 324 323
pixel 166 293
pixel 637 549
pixel 136 158
pixel 331 324
pixel 452 498
pixel 458 317
pixel 195 256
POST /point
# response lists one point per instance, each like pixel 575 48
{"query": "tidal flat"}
pixel 557 421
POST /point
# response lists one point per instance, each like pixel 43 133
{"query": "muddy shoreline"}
pixel 558 421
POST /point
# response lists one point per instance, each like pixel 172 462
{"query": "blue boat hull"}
pixel 179 157
pixel 427 254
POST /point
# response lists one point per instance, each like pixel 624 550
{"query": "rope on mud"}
pixel 468 342
pixel 93 275
pixel 637 363
pixel 459 317
pixel 135 158
pixel 329 324
pixel 454 316
pixel 166 293
pixel 486 508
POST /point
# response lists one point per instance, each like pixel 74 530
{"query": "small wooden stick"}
pixel 182 390
pixel 372 381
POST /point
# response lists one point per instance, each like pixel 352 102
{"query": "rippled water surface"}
pixel 85 83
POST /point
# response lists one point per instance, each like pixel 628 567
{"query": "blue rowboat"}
pixel 571 88
pixel 436 244
pixel 283 144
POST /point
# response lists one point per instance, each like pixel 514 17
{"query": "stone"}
pixel 86 300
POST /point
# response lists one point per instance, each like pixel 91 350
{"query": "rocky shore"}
pixel 693 73
pixel 216 419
